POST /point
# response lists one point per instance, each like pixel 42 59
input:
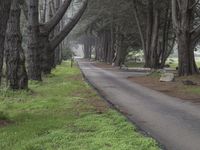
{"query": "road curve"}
pixel 172 121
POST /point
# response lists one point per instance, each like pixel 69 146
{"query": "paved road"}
pixel 173 122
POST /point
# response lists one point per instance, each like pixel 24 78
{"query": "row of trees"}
pixel 46 29
pixel 111 28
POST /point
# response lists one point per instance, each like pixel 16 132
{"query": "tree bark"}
pixel 15 59
pixel 33 54
pixel 58 49
pixel 119 48
pixel 4 15
pixel 154 43
pixel 182 16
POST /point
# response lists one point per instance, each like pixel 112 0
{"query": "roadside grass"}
pixel 192 89
pixel 64 113
pixel 155 74
pixel 135 64
pixel 173 62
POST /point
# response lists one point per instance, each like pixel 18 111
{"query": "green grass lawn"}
pixel 64 113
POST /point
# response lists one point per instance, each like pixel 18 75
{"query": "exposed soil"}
pixel 106 66
pixel 175 89
pixel 96 104
pixel 102 65
pixel 4 123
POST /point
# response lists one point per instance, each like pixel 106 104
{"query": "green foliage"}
pixel 173 62
pixel 135 58
pixel 155 74
pixel 67 54
pixel 192 89
pixel 135 64
pixel 58 114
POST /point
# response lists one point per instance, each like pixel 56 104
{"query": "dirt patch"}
pixel 103 65
pixel 175 89
pixel 77 77
pixel 99 105
pixel 94 104
pixel 4 123
pixel 106 66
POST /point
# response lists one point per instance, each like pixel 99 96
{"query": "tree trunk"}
pixel 168 38
pixel 149 26
pixel 15 59
pixel 57 30
pixel 109 43
pixel 187 65
pixel 119 48
pixel 150 37
pixel 112 39
pixel 154 41
pixel 86 48
pixel 47 55
pixel 33 54
pixel 4 15
pixel 182 17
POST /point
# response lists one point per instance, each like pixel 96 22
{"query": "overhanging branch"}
pixel 51 24
pixel 68 27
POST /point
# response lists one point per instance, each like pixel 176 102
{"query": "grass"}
pixel 155 74
pixel 192 89
pixel 64 113
pixel 173 62
pixel 135 65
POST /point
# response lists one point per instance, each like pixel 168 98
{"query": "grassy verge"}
pixel 64 113
pixel 177 88
pixel 135 65
pixel 173 62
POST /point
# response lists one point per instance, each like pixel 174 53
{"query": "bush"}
pixel 67 54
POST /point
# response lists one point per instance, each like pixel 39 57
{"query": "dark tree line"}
pixel 46 30
pixel 110 28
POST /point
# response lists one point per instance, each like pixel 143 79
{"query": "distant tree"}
pixel 155 29
pixel 118 27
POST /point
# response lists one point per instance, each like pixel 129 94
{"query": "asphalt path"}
pixel 171 121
